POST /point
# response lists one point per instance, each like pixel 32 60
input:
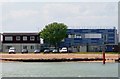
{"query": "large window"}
pixel 32 38
pixel 24 38
pixel 8 47
pixel 18 38
pixel 32 47
pixel 93 36
pixel 8 38
pixel 24 47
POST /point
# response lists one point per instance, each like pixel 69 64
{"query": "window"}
pixel 32 47
pixel 78 36
pixel 93 35
pixel 111 35
pixel 8 47
pixel 25 38
pixel 105 37
pixel 111 39
pixel 71 36
pixel 86 31
pixel 111 42
pixel 32 38
pixel 18 38
pixel 24 47
pixel 38 38
pixel 8 38
pixel 111 30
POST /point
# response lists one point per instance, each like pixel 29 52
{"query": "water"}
pixel 59 69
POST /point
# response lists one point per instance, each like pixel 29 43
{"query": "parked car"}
pixel 50 49
pixel 46 51
pixel 37 51
pixel 24 51
pixel 12 50
pixel 54 50
pixel 69 51
pixel 64 50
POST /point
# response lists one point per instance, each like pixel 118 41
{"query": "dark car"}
pixel 70 51
pixel 37 51
pixel 24 51
pixel 46 51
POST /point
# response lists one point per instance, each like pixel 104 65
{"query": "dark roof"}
pixel 20 34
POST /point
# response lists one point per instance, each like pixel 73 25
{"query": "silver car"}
pixel 55 51
pixel 46 51
pixel 37 51
pixel 24 51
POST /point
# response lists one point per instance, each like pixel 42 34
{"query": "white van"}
pixel 64 50
pixel 12 50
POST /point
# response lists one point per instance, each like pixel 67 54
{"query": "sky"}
pixel 32 16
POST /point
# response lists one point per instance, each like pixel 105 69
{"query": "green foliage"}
pixel 53 33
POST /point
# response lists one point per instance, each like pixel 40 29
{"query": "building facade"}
pixel 30 41
pixel 91 40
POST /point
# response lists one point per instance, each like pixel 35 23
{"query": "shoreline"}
pixel 58 57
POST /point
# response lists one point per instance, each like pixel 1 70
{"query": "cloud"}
pixel 17 14
pixel 76 14
pixel 80 9
pixel 72 14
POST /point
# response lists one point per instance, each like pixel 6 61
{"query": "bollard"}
pixel 103 57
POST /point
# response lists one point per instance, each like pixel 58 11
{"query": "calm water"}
pixel 59 69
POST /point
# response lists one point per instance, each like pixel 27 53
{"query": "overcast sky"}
pixel 33 16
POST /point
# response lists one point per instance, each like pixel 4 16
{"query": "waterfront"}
pixel 58 57
pixel 59 69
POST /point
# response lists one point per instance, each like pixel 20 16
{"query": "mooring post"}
pixel 103 57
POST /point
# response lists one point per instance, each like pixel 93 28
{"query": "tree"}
pixel 54 33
